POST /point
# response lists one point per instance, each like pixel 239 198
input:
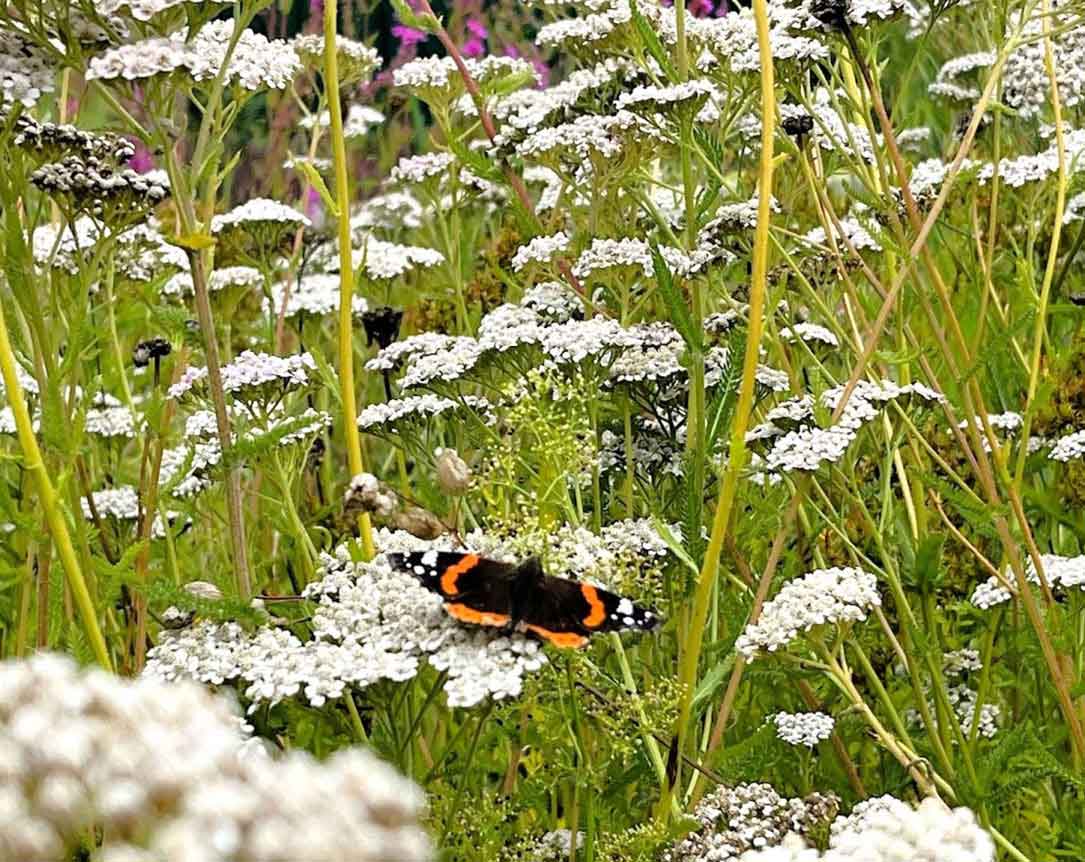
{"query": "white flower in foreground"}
pixel 165 773
pixel 889 830
pixel 822 597
pixel 894 830
pixel 803 728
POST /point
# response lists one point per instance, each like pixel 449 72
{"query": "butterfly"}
pixel 522 597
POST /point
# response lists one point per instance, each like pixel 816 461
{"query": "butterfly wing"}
pixel 475 589
pixel 566 613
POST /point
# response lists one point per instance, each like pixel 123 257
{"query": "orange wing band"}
pixel 478 618
pixel 564 640
pixel 452 574
pixel 598 613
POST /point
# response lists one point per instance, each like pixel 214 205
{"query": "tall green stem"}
pixel 54 517
pixel 346 267
pixel 706 581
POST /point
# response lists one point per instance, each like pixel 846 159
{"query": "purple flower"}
pixel 314 207
pixel 408 36
pixel 141 162
pixel 701 8
pixel 475 46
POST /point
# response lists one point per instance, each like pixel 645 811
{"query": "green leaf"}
pixel 652 43
pixel 676 302
pixel 713 680
pixel 426 23
pixel 317 182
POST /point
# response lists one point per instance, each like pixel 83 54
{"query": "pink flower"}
pixel 701 8
pixel 141 162
pixel 408 36
pixel 475 46
pixel 314 207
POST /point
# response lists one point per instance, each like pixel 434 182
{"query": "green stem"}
pixel 706 581
pixel 346 268
pixel 54 517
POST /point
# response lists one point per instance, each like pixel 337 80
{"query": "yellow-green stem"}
pixel 710 568
pixel 346 268
pixel 54 517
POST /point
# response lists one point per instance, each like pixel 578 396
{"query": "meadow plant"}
pixel 767 319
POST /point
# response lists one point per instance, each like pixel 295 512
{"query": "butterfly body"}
pixel 522 597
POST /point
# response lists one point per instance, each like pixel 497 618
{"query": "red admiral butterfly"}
pixel 523 597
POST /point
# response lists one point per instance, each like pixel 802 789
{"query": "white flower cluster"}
pixel 734 820
pixel 316 295
pixel 891 829
pixel 358 122
pixel 552 301
pixel 164 772
pixel 25 72
pixel 1061 573
pixel 110 421
pixel 888 830
pixel 809 447
pixel 575 143
pixel 256 62
pixel 437 78
pixel 371 622
pixel 234 276
pixel 555 846
pixel 947 82
pixel 822 597
pixel 418 169
pixel 385 260
pixel 122 504
pixel 1068 448
pixel 258 211
pixel 1023 170
pixel 356 61
pixel 809 332
pixel 251 374
pixel 803 728
pixel 855 232
pixel 396 210
pixel 383 416
pixel 1025 84
pixel 144 255
pixel 654 97
pixel 541 249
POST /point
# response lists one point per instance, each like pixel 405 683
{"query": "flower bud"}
pixel 453 474
pixel 419 523
pixel 203 590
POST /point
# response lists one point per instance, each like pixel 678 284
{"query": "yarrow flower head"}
pixel 803 728
pixel 836 596
pixel 253 376
pixel 371 622
pixel 356 61
pixel 733 820
pixel 167 771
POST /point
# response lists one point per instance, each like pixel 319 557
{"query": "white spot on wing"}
pixel 625 608
pixel 430 558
